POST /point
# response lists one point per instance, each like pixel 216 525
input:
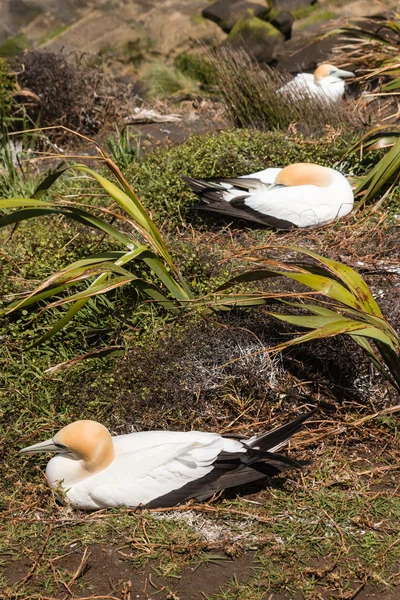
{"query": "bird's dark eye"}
pixel 60 446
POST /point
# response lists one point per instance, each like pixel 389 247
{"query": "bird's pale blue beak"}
pixel 47 446
pixel 343 74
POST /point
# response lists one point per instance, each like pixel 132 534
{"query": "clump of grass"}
pixel 7 91
pixel 124 146
pixel 249 91
pixel 165 80
pixel 14 45
pixel 195 66
pixel 65 93
pixel 103 266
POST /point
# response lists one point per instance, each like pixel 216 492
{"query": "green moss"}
pixel 14 45
pixel 196 67
pixel 316 18
pixel 199 19
pixel 158 179
pixel 304 11
pixel 53 34
pixel 254 28
pixel 7 87
pixel 164 80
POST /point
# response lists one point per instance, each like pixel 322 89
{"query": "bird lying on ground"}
pixel 325 83
pixel 157 468
pixel 300 195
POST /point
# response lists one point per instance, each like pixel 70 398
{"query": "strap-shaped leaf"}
pixel 66 277
pixel 331 329
pixel 387 167
pixel 76 214
pixel 96 290
pixel 374 358
pixel 48 181
pixel 21 202
pixel 145 224
pixel 128 200
pixel 79 304
pixel 351 279
pixel 326 286
pixel 248 277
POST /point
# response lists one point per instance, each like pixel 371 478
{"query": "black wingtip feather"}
pixel 234 469
pixel 266 441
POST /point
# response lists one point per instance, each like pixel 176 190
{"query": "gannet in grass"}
pixel 300 195
pixel 157 468
pixel 325 83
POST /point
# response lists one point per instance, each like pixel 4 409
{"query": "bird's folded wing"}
pixel 303 206
pixel 302 83
pixel 142 476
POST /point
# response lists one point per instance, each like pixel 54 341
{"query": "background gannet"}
pixel 326 82
pixel 157 468
pixel 300 195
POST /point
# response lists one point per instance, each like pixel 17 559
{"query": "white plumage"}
pixel 157 468
pixel 326 83
pixel 300 195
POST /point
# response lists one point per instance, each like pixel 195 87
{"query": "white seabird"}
pixel 325 83
pixel 300 195
pixel 157 468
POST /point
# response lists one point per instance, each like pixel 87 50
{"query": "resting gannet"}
pixel 300 195
pixel 326 82
pixel 157 468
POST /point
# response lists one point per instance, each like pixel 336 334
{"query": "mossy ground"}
pixel 322 533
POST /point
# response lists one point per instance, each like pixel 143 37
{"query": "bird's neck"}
pixel 100 457
pixel 71 469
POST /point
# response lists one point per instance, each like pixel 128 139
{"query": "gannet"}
pixel 300 195
pixel 326 82
pixel 157 468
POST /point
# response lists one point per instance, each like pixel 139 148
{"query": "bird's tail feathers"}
pixel 273 440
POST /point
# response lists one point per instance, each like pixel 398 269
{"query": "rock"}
pixel 361 8
pixel 292 5
pixel 226 13
pixel 305 53
pixel 314 21
pixel 284 21
pixel 262 40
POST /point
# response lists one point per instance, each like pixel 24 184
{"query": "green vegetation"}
pixel 253 28
pixel 376 50
pixel 107 268
pixel 196 67
pixel 7 90
pixel 385 174
pixel 52 35
pixel 164 80
pixel 124 147
pixel 319 17
pixel 157 179
pixel 342 304
pixel 14 46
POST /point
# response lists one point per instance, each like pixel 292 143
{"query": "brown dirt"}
pixel 106 574
pixel 103 574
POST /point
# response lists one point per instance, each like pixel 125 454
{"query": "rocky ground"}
pixel 130 34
